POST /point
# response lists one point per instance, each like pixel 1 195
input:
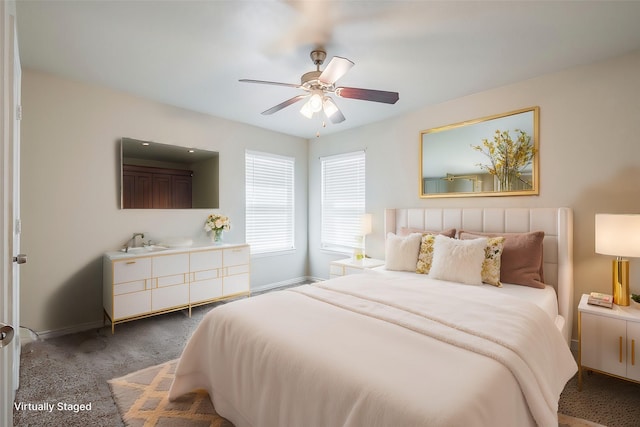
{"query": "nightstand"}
pixel 347 266
pixel 609 340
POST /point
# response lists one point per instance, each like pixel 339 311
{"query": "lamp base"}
pixel 621 281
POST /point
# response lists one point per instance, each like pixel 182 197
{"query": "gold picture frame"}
pixel 492 156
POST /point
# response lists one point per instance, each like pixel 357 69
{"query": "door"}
pixel 9 213
pixel 603 342
pixel 633 351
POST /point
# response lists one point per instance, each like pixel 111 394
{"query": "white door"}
pixel 633 351
pixel 603 342
pixel 9 213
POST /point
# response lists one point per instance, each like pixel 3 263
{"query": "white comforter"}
pixel 369 350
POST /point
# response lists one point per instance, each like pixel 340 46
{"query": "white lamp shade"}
pixel 366 224
pixel 618 235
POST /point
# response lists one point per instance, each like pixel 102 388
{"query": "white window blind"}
pixel 343 201
pixel 269 202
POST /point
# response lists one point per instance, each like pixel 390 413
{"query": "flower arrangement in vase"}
pixel 507 157
pixel 216 224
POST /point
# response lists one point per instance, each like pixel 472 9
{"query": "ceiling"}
pixel 191 54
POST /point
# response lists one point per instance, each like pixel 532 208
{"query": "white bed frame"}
pixel 557 224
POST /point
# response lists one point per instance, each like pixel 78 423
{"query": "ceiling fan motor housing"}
pixel 310 78
pixel 318 56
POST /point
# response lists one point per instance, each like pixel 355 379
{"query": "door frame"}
pixel 9 194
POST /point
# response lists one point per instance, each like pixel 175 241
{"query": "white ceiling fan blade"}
pixel 264 82
pixel 337 68
pixel 284 104
pixel 332 111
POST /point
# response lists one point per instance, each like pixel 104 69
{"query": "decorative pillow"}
pixel 522 259
pixel 491 263
pixel 404 231
pixel 401 253
pixel 458 260
pixel 425 256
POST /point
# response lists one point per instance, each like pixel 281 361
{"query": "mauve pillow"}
pixel 521 262
pixel 405 231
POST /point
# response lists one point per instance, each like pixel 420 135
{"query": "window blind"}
pixel 343 201
pixel 269 202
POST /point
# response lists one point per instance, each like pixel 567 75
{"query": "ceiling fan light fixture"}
pixel 330 108
pixel 306 110
pixel 315 101
pixel 317 84
pixel 313 105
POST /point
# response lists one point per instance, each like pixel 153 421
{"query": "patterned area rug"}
pixel 142 399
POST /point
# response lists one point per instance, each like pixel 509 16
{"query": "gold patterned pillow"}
pixel 425 256
pixel 491 263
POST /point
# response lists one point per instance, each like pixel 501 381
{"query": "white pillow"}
pixel 401 253
pixel 458 260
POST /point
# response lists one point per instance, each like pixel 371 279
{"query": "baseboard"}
pixel 574 346
pixel 290 282
pixel 53 333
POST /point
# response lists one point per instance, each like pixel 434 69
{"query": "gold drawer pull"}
pixel 131 262
pixel 633 352
pixel 620 351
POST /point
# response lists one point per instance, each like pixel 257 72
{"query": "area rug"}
pixel 142 399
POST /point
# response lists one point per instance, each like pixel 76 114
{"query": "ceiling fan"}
pixel 319 84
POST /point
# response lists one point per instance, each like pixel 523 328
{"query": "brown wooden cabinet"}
pixel 145 187
pixel 136 190
pixel 181 191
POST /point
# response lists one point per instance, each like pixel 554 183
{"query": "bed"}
pixel 396 348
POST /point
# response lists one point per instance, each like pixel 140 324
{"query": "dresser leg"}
pixel 579 378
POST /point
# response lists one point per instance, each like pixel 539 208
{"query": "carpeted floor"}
pixel 74 370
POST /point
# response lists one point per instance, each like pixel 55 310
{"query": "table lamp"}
pixel 366 228
pixel 619 235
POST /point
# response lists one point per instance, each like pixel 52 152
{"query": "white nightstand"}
pixel 609 340
pixel 352 266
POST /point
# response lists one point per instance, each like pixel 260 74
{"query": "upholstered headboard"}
pixel 557 224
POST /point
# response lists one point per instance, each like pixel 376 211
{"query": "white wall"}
pixel 70 192
pixel 589 158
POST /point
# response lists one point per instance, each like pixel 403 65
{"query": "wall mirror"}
pixel 491 156
pixel 163 176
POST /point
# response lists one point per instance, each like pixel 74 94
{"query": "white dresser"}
pixel 149 283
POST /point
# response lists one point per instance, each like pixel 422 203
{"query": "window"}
pixel 269 202
pixel 343 196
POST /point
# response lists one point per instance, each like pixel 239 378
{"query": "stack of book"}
pixel 602 300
